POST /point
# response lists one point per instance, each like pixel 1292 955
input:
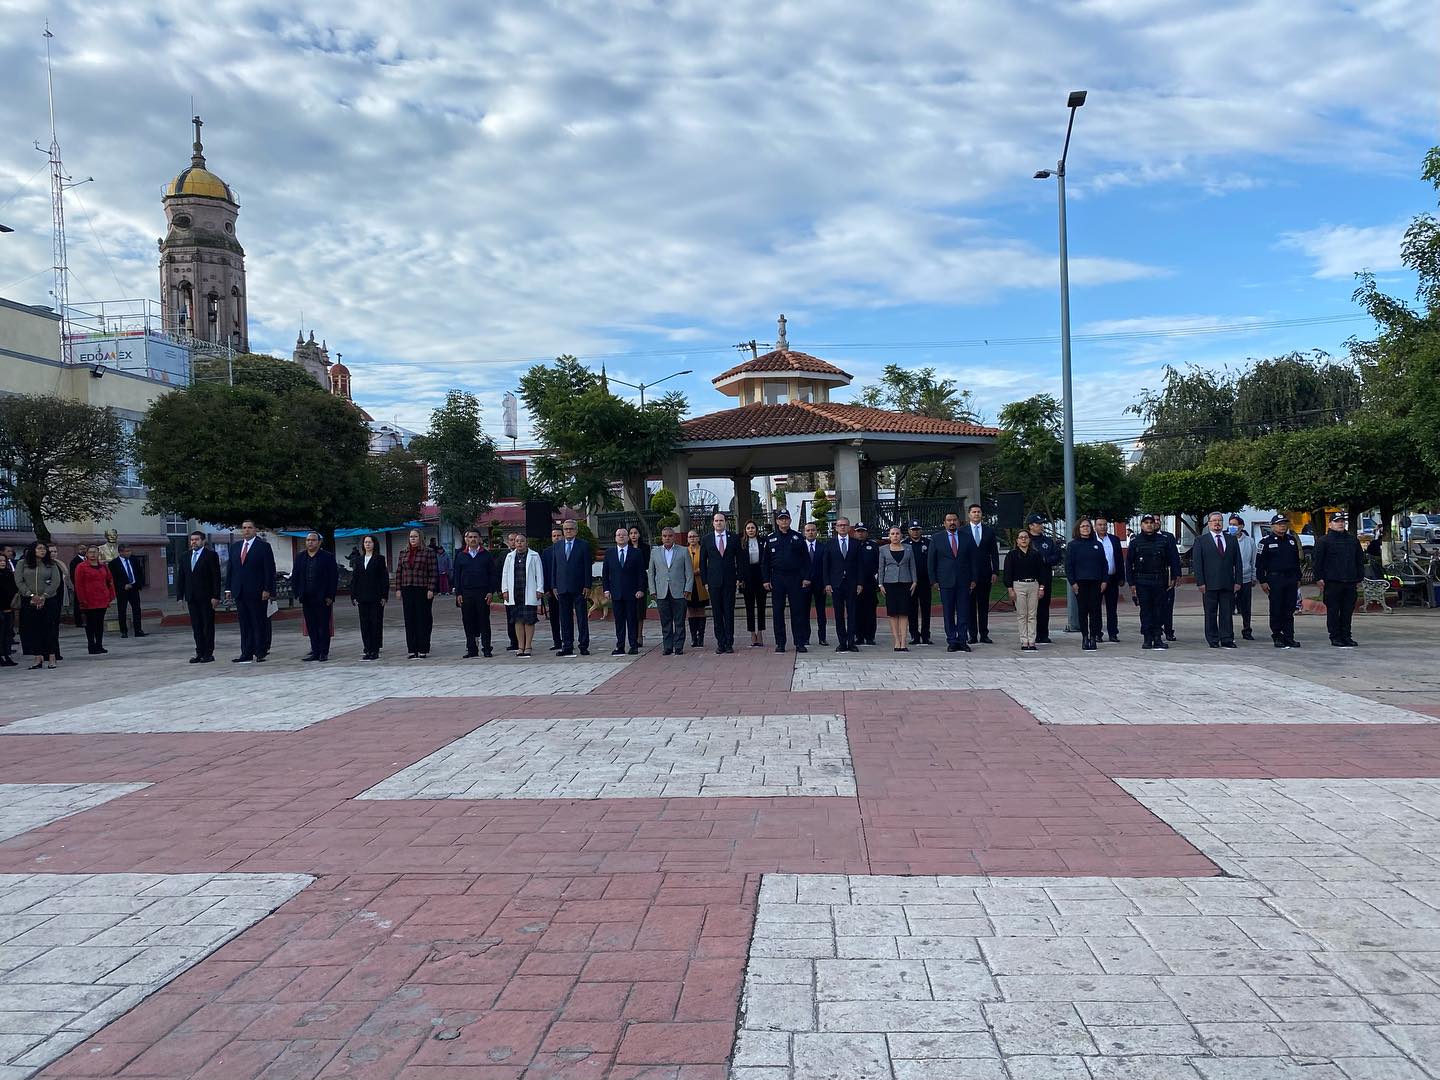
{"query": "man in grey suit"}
pixel 1215 558
pixel 672 579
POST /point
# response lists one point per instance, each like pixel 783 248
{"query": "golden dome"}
pixel 197 180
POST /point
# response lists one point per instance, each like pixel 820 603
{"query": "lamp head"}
pixel 1076 99
pixel 1043 174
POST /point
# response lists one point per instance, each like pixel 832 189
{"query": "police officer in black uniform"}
pixel 1277 572
pixel 1051 553
pixel 1151 566
pixel 787 560
pixel 1339 569
pixel 865 617
pixel 1170 593
pixel 920 609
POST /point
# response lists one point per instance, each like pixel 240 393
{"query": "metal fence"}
pixel 883 513
pixel 13 519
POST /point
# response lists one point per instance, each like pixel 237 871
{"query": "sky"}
pixel 451 192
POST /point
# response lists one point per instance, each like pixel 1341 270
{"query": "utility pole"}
pixel 59 181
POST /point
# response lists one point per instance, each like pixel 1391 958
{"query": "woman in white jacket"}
pixel 522 583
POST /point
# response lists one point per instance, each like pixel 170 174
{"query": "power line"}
pixel 25 185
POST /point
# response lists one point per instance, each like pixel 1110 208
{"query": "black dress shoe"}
pixel 985 640
pixel 566 652
pixel 1147 646
pixel 243 660
pixel 585 652
pixel 1228 645
pixel 325 659
pixel 779 648
pixel 680 651
pixel 207 659
pixel 1248 635
pixel 634 650
pixel 1043 641
pixel 961 646
pixel 124 633
pixel 667 652
pixel 617 651
pixel 1351 643
pixel 1169 635
pixel 719 650
pixel 842 648
pixel 854 648
pixel 972 640
pixel 952 647
pixel 308 659
pixel 1115 638
pixel 141 633
pixel 824 642
pixel 801 648
pixel 194 660
pixel 261 659
pixel 1214 644
pixel 925 641
pixel 487 653
pixel 1292 643
pixel 470 656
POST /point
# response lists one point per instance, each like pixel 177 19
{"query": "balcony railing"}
pixel 13 519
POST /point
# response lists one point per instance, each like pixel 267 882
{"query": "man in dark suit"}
pixel 197 582
pixel 477 576
pixel 1115 579
pixel 815 594
pixel 250 580
pixel 313 581
pixel 547 567
pixel 622 576
pixel 129 578
pixel 1215 559
pixel 572 565
pixel 844 581
pixel 76 560
pixel 952 567
pixel 986 558
pixel 720 570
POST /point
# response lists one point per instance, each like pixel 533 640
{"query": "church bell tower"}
pixel 202 265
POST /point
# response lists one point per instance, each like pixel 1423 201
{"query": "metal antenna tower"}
pixel 59 182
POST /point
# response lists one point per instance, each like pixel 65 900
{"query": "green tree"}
pixel 397 487
pixel 1103 483
pixel 466 473
pixel 1028 455
pixel 256 371
pixel 592 438
pixel 1296 391
pixel 1189 411
pixel 62 460
pixel 1402 363
pixel 820 507
pixel 919 393
pixel 663 503
pixel 1193 493
pixel 296 459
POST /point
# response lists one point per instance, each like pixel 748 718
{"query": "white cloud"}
pixel 1340 251
pixel 437 187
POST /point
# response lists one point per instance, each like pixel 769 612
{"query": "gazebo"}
pixel 785 422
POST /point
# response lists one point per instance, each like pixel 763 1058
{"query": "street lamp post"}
pixel 642 386
pixel 1067 404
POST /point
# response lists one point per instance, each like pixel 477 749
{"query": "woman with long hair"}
pixel 368 590
pixel 643 550
pixel 1086 570
pixel 41 584
pixel 94 593
pixel 752 582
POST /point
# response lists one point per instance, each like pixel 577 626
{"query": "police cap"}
pixel 1035 519
pixel 782 513
pixel 1149 517
pixel 915 525
pixel 1342 516
pixel 860 526
pixel 1278 518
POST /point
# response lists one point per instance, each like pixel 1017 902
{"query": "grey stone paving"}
pixel 28 806
pixel 1322 961
pixel 1111 689
pixel 289 701
pixel 79 950
pixel 640 757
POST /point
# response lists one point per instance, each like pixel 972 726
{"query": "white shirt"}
pixel 1109 547
pixel 669 555
pixel 622 551
pixel 365 560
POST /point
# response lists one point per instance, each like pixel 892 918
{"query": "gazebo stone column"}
pixel 675 476
pixel 847 481
pixel 966 464
pixel 744 499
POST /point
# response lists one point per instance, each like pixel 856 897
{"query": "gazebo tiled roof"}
pixel 818 418
pixel 784 360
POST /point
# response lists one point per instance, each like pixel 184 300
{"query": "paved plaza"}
pixel 1112 866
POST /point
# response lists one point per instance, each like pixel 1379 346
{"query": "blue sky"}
pixel 446 193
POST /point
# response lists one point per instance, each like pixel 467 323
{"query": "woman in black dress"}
pixel 643 550
pixel 752 582
pixel 897 577
pixel 369 584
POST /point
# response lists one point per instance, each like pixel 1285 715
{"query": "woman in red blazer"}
pixel 95 592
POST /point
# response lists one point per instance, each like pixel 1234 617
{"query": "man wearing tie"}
pixel 720 570
pixel 547 566
pixel 952 567
pixel 815 594
pixel 129 580
pixel 1216 562
pixel 250 581
pixel 844 579
pixel 987 572
pixel 672 579
pixel 197 582
pixel 572 565
pixel 622 576
pixel 1114 575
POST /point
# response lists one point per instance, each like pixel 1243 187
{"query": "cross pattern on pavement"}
pixel 635 758
pixel 1119 690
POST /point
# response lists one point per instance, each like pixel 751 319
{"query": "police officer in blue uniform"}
pixel 1151 566
pixel 920 609
pixel 787 560
pixel 1051 553
pixel 1277 572
pixel 865 616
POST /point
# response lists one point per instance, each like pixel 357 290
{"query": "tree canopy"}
pixel 465 471
pixel 224 454
pixel 257 371
pixel 918 392
pixel 1193 493
pixel 62 459
pixel 593 438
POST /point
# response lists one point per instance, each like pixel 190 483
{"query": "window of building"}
pixel 129 470
pixel 177 525
pixel 513 476
pixel 777 392
pixel 804 393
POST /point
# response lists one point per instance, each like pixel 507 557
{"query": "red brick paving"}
pixel 577 939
